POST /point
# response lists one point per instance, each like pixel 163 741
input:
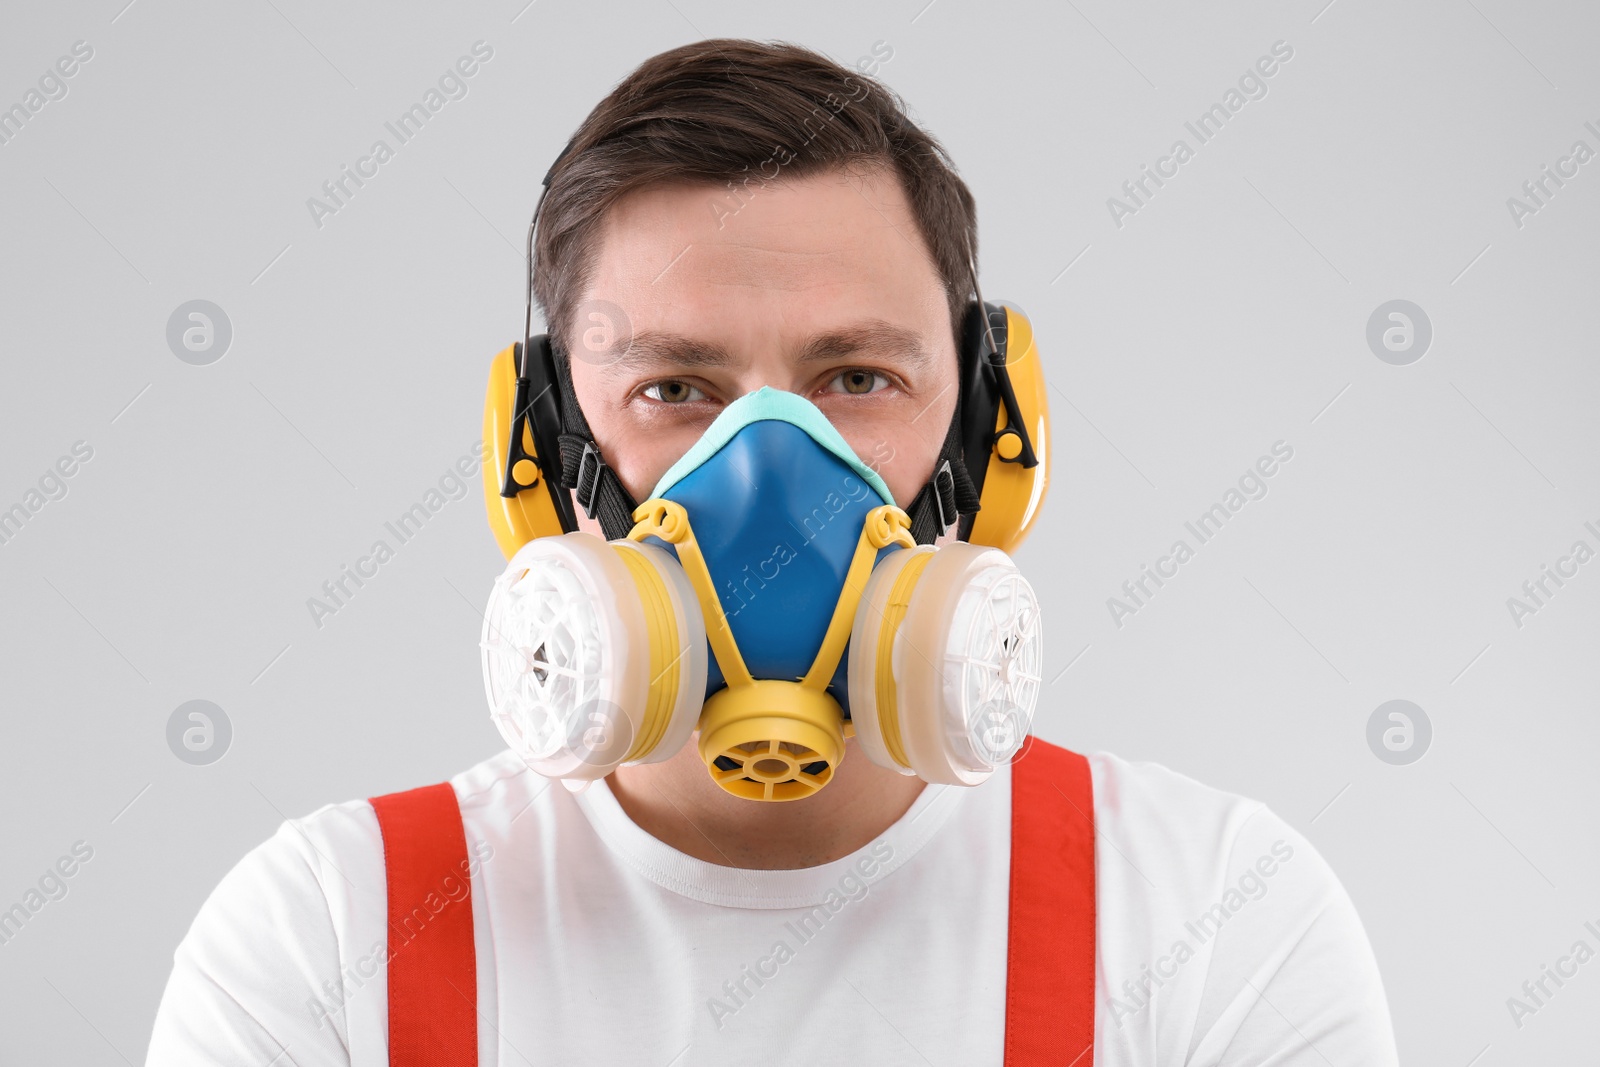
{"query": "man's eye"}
pixel 673 392
pixel 858 381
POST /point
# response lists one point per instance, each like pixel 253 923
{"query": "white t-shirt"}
pixel 1223 938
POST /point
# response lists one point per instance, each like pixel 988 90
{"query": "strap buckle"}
pixel 944 495
pixel 590 453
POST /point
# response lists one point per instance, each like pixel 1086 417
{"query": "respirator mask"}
pixel 770 596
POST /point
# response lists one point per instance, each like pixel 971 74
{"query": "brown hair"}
pixel 735 113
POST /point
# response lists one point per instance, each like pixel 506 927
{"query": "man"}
pixel 733 217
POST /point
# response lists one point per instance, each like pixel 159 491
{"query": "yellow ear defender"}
pixel 1003 437
pixel 1006 425
pixel 533 509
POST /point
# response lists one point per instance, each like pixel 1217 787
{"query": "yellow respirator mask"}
pixel 771 596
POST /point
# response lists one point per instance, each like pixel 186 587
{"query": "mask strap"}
pixel 951 495
pixel 594 484
pixel 948 494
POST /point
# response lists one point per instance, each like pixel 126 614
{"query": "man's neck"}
pixel 676 802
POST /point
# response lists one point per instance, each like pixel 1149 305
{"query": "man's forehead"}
pixel 814 269
pixel 785 234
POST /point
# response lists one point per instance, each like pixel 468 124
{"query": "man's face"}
pixel 821 287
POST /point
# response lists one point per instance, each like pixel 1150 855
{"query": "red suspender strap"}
pixel 1050 967
pixel 430 930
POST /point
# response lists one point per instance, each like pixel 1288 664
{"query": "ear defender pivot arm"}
pixel 536 409
pixel 1022 450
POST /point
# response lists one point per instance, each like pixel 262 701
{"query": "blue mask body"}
pixel 777 501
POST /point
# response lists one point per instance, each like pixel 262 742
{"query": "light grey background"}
pixel 1229 313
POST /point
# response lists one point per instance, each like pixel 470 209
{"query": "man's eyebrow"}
pixel 656 348
pixel 873 337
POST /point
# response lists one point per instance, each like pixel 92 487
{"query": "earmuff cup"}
pixel 945 663
pixel 594 655
pixel 1010 493
pixel 515 520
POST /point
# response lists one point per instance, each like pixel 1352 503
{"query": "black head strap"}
pixel 949 494
pixel 594 484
